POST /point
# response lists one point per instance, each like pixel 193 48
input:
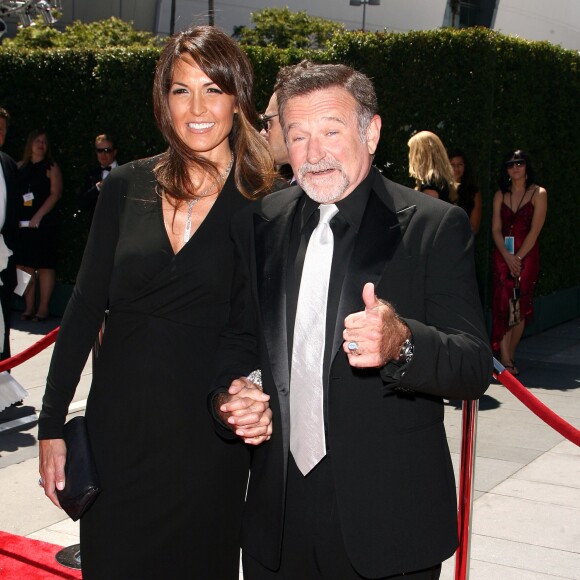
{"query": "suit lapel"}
pixel 272 236
pixel 381 230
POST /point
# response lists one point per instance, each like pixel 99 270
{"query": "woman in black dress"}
pixel 159 254
pixel 429 165
pixel 39 189
pixel 468 194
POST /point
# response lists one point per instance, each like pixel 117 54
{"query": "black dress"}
pixel 173 490
pixel 36 247
pixel 442 190
pixel 466 197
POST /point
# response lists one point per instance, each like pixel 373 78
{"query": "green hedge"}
pixel 478 90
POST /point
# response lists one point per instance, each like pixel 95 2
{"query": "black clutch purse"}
pixel 82 484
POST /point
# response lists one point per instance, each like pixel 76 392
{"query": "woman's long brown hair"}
pixel 222 60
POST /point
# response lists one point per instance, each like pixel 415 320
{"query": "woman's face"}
pixel 516 169
pixel 39 147
pixel 201 112
pixel 458 168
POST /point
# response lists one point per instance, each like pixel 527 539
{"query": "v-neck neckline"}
pixel 201 225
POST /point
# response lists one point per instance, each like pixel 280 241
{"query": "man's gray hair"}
pixel 307 77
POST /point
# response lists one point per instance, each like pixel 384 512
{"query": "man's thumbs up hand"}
pixel 374 336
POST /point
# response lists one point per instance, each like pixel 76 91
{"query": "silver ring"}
pixel 40 482
pixel 352 346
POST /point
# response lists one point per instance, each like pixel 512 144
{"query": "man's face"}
pixel 273 133
pixel 106 153
pixel 3 130
pixel 324 143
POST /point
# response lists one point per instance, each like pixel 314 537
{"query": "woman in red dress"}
pixel 519 213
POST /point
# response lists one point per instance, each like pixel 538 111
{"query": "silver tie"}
pixel 306 389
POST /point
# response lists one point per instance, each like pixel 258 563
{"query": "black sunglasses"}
pixel 104 150
pixel 515 163
pixel 265 120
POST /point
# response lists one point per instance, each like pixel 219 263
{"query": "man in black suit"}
pixel 356 479
pixel 106 152
pixel 8 229
pixel 272 133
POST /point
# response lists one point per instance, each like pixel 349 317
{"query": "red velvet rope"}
pixel 535 405
pixel 31 351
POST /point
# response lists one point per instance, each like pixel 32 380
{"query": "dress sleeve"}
pixel 85 310
pixel 238 348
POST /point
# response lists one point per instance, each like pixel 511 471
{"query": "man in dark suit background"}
pixel 272 133
pixel 355 480
pixel 106 151
pixel 8 229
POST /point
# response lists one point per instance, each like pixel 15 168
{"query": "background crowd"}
pixel 439 172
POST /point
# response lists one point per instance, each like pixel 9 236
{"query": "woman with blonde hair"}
pixel 429 165
pixel 160 256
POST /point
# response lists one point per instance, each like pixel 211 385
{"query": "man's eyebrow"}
pixel 337 119
pixel 327 118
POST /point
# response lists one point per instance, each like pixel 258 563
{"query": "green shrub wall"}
pixel 478 90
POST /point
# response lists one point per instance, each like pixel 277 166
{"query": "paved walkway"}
pixel 526 520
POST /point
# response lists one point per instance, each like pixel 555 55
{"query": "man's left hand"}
pixel 377 331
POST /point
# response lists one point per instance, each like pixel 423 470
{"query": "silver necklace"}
pixel 192 202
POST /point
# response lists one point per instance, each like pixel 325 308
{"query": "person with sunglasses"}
pixel 272 133
pixel 519 213
pixel 106 152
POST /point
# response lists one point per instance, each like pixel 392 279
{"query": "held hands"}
pixel 246 410
pixel 377 330
pixel 52 460
pixel 514 263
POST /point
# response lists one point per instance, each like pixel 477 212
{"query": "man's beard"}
pixel 337 185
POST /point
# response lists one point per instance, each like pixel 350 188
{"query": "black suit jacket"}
pixel 88 196
pixel 10 227
pixel 391 465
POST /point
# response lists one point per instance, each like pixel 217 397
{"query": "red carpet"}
pixel 25 559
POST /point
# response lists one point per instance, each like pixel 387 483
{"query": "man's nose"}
pixel 315 151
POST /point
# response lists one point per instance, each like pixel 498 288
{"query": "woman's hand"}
pixel 52 460
pixel 514 264
pixel 35 221
pixel 246 410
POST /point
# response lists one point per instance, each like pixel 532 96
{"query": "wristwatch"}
pixel 406 352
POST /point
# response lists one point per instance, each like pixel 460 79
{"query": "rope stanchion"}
pixel 534 404
pixel 468 439
pixel 466 479
pixel 29 352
